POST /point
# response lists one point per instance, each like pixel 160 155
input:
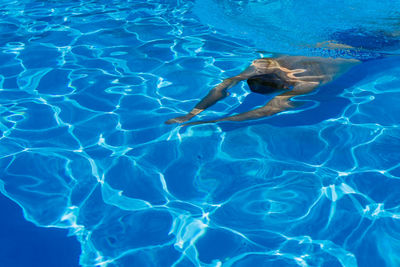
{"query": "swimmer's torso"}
pixel 291 70
pixel 316 68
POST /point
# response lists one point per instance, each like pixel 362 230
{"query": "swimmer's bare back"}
pixel 301 74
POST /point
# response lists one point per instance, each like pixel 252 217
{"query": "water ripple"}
pixel 85 88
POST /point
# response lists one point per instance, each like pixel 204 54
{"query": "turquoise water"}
pixel 87 86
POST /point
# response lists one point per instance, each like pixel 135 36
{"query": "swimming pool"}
pixel 86 87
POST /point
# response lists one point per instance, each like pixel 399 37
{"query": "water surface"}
pixel 86 88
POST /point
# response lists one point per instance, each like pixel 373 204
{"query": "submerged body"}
pixel 288 75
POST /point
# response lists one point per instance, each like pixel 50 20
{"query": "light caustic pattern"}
pixel 85 89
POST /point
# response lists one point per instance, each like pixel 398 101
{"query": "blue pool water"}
pixel 85 89
pixel 24 244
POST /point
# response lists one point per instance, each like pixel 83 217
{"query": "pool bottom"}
pixel 24 244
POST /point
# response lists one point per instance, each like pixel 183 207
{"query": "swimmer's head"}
pixel 267 83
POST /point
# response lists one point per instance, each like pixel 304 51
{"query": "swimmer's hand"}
pixel 180 119
pixel 185 118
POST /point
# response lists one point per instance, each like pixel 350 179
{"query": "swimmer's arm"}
pixel 277 104
pixel 217 93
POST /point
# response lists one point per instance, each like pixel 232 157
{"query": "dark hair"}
pixel 266 83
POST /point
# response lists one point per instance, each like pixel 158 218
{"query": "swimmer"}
pixel 289 76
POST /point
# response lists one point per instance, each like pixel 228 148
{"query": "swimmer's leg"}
pixel 277 104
